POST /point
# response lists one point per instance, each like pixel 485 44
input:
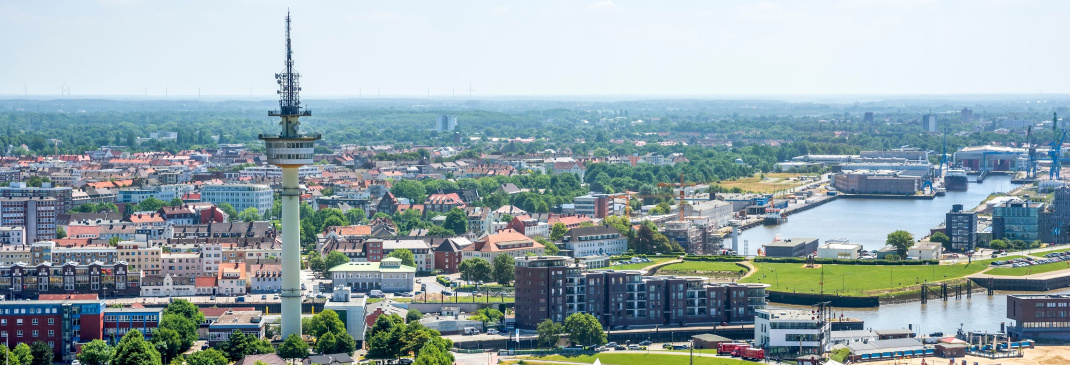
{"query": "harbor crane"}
pixel 1031 168
pixel 1056 150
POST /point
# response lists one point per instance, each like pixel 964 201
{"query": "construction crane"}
pixel 681 185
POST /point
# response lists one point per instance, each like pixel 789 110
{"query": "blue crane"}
pixel 1056 154
pixel 1031 169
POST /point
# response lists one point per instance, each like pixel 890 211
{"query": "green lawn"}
pixel 702 268
pixel 638 359
pixel 654 260
pixel 1029 270
pixel 864 279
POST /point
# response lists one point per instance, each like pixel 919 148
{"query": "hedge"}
pixel 801 260
pixel 443 280
pixel 715 258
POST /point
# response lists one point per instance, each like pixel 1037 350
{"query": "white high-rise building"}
pixel 239 196
pixel 446 123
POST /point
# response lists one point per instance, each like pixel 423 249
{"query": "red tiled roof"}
pixel 205 282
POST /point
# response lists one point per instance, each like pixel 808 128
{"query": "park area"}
pixel 773 182
pixel 865 280
pixel 641 265
pixel 631 358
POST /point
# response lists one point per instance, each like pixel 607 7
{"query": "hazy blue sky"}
pixel 612 47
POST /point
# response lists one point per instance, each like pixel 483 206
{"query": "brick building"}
pixel 555 287
pixel 877 182
pixel 1041 317
pixel 59 323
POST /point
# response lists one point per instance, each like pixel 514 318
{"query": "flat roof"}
pixel 370 267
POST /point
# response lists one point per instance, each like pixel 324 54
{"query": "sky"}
pixel 535 48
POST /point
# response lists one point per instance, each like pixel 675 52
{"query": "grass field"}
pixel 639 358
pixel 655 260
pixel 865 279
pixel 773 182
pixel 1029 270
pixel 702 268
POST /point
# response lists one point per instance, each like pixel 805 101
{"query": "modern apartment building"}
pixel 554 287
pixel 594 241
pixel 790 331
pixel 594 205
pixel 239 196
pixel 961 227
pixel 1016 219
pixel 1041 317
pixel 62 195
pixel 37 215
pixel 12 236
pixel 59 323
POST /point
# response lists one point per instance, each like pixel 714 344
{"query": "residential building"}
pixel 60 323
pixel 594 205
pixel 140 256
pixel 445 123
pixel 1016 219
pixel 119 321
pixel 232 278
pixel 388 275
pixel 1041 317
pixel 928 122
pixel 21 280
pixel 132 195
pixel 240 196
pixel 185 264
pixel 168 286
pixel 790 332
pixel 248 322
pixel 37 215
pixel 925 250
pixel 12 236
pixel 506 241
pixel 554 287
pixel 594 241
pixel 421 252
pixel 442 203
pixel 180 215
pixel 63 194
pixel 1053 220
pixel 448 254
pixel 839 249
pixel 529 226
pixel 267 277
pixel 961 226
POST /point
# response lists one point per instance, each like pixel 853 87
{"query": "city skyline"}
pixel 134 48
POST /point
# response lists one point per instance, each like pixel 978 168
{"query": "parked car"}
pixel 645 343
pixel 611 344
pixel 447 293
pixel 263 297
pixel 405 361
pixel 633 347
pixel 276 296
pixel 667 346
pixel 376 294
pixel 492 331
pixel 403 294
pixel 620 348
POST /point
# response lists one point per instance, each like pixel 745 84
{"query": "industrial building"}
pixel 791 247
pixel 553 287
pixel 991 158
pixel 839 249
pixel 877 182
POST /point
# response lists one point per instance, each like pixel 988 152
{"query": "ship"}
pixel 956 180
pixel 774 217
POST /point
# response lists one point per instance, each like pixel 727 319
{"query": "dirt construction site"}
pixel 1040 355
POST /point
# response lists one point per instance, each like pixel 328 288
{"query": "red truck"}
pixel 750 353
pixel 726 348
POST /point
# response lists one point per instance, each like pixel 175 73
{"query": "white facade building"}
pixel 784 330
pixel 838 250
pixel 12 235
pixel 239 196
pixel 594 241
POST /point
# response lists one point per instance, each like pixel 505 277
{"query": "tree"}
pixel 185 327
pixel 206 357
pixel 435 351
pixel 335 258
pixel 333 221
pixel 486 315
pixel 325 344
pixel 413 315
pixel 941 238
pixel 438 231
pixel 406 256
pixel 344 343
pixel 998 244
pixel 475 269
pixel 456 221
pixel 228 209
pixel 239 345
pixel 549 332
pixel 250 214
pixel 584 329
pixel 411 189
pixel 384 336
pixel 324 322
pixel 356 216
pixel 901 240
pixel 648 241
pixel 134 350
pixel 176 202
pixel 661 208
pixel 549 247
pixel 504 269
pixel 22 351
pixel 293 348
pixel 316 263
pixel 42 353
pixel 7 357
pixel 557 231
pixel 150 204
pixel 60 233
pixel 167 341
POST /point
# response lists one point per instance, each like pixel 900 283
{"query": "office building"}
pixel 792 247
pixel 554 287
pixel 1054 220
pixel 240 196
pixel 248 322
pixel 594 241
pixel 1016 219
pixel 1040 317
pixel 961 227
pixel 445 123
pixel 506 241
pixel 59 323
pixel 966 114
pixel 388 275
pixel 63 195
pixel 594 205
pixel 350 309
pixel 37 215
pixel 119 321
pixel 790 332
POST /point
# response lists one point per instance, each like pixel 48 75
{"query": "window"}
pixel 35 321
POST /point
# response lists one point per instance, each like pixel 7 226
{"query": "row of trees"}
pixel 478 269
pixel 392 337
pixel 582 328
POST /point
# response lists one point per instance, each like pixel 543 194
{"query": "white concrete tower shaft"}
pixel 289 150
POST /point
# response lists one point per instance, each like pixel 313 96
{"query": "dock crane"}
pixel 1056 150
pixel 943 158
pixel 1031 169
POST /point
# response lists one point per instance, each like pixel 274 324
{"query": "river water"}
pixel 868 222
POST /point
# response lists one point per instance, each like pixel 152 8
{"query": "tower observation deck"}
pixel 290 150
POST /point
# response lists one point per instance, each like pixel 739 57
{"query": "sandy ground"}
pixel 1041 355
